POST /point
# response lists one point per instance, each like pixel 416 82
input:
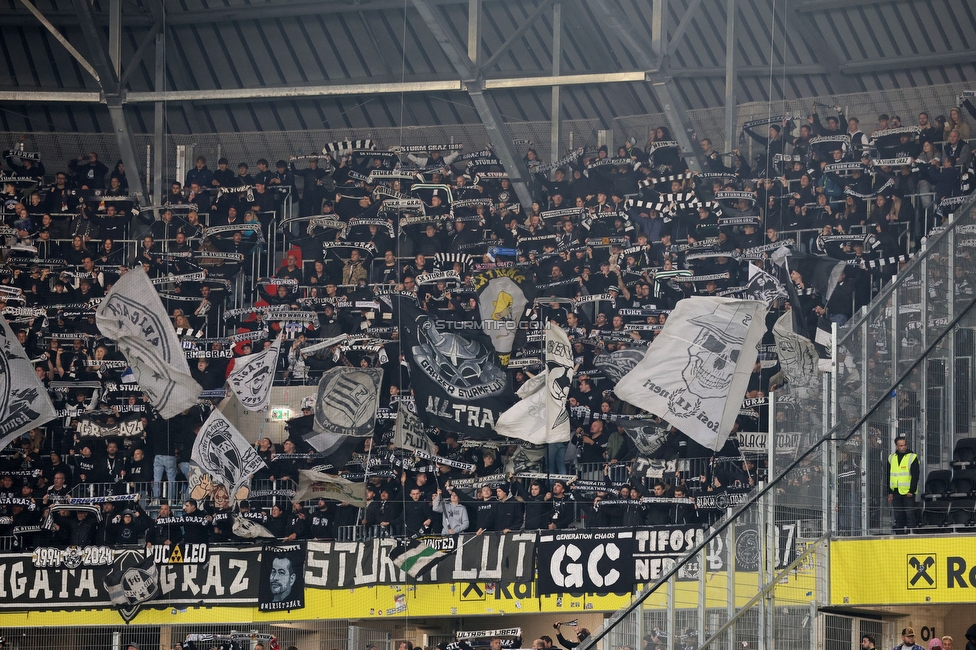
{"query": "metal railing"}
pixel 836 483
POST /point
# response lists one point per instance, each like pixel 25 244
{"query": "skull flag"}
pixel 503 295
pixel 222 452
pixel 697 370
pixel 456 378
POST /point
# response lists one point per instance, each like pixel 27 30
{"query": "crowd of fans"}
pixel 630 225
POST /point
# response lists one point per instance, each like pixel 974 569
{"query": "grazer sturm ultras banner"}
pixel 697 369
pixel 503 295
pixel 457 380
pixel 133 316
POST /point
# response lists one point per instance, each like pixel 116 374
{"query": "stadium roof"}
pixel 306 64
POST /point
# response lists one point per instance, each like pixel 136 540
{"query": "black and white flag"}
pixel 345 412
pixel 410 433
pixel 763 286
pixel 222 452
pixel 133 580
pixel 540 416
pixel 455 376
pixel 24 402
pixel 251 376
pixel 798 358
pixel 347 401
pixel 697 370
pixel 133 315
pixel 618 363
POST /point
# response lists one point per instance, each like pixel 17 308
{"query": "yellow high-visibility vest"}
pixel 901 473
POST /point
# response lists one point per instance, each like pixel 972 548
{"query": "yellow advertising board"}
pixel 414 601
pixel 903 570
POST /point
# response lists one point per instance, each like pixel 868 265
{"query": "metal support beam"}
pixel 498 133
pixel 109 82
pixel 555 111
pixel 474 31
pixel 159 121
pixel 731 79
pixel 683 26
pixel 148 42
pixel 115 35
pixel 517 35
pixel 659 29
pixel 810 6
pixel 822 52
pixel 57 96
pixel 82 61
pixel 662 83
pixel 896 64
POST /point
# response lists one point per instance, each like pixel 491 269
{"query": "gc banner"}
pixel 586 562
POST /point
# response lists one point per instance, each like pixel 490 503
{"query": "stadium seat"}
pixel 934 516
pixel 937 484
pixel 964 455
pixel 963 484
pixel 961 513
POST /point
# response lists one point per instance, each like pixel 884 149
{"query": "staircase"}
pixel 905 365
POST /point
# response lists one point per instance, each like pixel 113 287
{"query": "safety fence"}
pixel 310 635
pixel 902 366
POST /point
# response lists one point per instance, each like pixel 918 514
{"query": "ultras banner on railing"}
pixel 570 562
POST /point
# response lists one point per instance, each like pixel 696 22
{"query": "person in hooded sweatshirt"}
pixel 971 637
pixel 455 515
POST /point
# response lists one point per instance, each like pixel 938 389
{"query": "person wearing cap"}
pixel 509 512
pixel 908 640
pixel 132 646
pixel 563 507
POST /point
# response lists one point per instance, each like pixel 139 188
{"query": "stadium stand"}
pixel 613 240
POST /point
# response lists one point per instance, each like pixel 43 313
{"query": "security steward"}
pixel 903 475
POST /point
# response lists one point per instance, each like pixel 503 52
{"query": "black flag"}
pixel 455 373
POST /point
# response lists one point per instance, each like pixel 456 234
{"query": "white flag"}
pixel 24 402
pixel 526 420
pixel 540 416
pixel 222 452
pixel 560 362
pixel 798 358
pixel 697 370
pixel 410 432
pixel 318 485
pixel 252 375
pixel 133 316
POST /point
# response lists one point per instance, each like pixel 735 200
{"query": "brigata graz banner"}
pixel 75 578
pixel 570 562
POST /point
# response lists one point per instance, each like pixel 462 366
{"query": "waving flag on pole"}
pixel 222 452
pixel 454 372
pixel 24 402
pixel 503 295
pixel 697 370
pixel 133 315
pixel 540 416
pixel 251 376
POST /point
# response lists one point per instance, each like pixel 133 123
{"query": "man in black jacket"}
pixel 417 514
pixel 509 512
